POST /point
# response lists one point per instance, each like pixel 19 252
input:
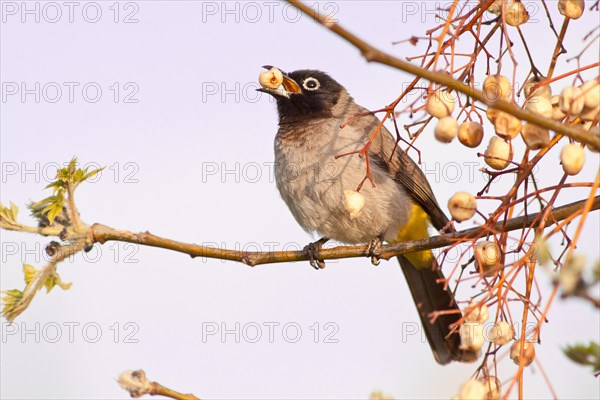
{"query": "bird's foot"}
pixel 448 228
pixel 374 250
pixel 313 250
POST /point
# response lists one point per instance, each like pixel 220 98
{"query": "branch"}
pixel 101 234
pixel 372 54
pixel 136 383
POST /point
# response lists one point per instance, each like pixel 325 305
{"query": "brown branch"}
pixel 372 54
pixel 136 383
pixel 559 49
pixel 101 234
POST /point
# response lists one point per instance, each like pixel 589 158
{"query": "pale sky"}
pixel 162 94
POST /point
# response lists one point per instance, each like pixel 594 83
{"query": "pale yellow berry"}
pixel 571 8
pixel 570 275
pixel 535 137
pixel 541 250
pixel 492 386
pixel 516 14
pixel 472 390
pixel 472 336
pixel 462 206
pixel 501 333
pixel 591 93
pixel 487 255
pixel 470 134
pixel 571 100
pixel 507 126
pixel 589 114
pixel 497 87
pixel 491 114
pixel 379 395
pixel 557 114
pixel 477 314
pixel 572 158
pixel 135 382
pixel 445 129
pixel 544 91
pixel 440 104
pixel 539 105
pixel 270 79
pixel 494 8
pixel 498 154
pixel 591 100
pixel 354 203
pixel 528 352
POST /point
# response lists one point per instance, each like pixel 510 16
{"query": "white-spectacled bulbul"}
pixel 312 174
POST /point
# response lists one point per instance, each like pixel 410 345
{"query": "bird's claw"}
pixel 374 250
pixel 313 250
pixel 448 228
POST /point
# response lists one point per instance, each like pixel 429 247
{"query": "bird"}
pixel 321 132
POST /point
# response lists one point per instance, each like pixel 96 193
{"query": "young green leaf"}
pixel 10 300
pixel 584 355
pixel 91 174
pixel 54 280
pixel 9 214
pixel 30 273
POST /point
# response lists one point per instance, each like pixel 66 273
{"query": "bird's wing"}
pixel 404 170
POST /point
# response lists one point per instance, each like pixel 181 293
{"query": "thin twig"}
pixel 372 54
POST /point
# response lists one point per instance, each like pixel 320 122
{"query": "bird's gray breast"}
pixel 314 165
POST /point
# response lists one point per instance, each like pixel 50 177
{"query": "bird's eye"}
pixel 311 84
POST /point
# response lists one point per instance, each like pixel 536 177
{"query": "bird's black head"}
pixel 306 95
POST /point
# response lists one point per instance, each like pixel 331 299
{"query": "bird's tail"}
pixel 429 295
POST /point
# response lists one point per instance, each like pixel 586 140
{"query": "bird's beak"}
pixel 289 86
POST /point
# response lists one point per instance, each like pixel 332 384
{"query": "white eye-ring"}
pixel 311 84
